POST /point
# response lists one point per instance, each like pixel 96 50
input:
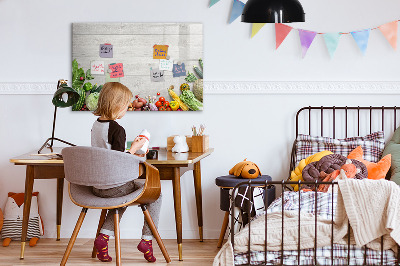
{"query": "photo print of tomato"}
pixel 161 63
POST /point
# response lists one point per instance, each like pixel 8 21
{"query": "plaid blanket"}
pixel 323 205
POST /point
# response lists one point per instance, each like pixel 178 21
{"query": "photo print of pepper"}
pixel 161 63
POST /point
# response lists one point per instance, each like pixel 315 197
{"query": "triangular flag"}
pixel 390 32
pixel 281 31
pixel 237 9
pixel 213 2
pixel 361 37
pixel 256 28
pixel 332 41
pixel 306 39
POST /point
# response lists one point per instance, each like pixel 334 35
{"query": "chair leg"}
pixel 101 222
pixel 117 239
pixel 154 230
pixel 73 237
pixel 223 229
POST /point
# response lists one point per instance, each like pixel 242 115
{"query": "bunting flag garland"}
pixel 256 27
pixel 332 41
pixel 306 39
pixel 281 31
pixel 213 2
pixel 237 9
pixel 361 37
pixel 389 30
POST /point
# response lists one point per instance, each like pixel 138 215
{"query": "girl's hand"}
pixel 142 155
pixel 137 144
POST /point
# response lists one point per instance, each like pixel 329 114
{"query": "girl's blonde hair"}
pixel 113 96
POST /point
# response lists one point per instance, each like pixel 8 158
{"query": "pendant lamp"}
pixel 273 11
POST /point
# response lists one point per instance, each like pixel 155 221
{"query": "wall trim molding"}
pixel 245 87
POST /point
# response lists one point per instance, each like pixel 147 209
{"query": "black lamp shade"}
pixel 273 11
pixel 73 96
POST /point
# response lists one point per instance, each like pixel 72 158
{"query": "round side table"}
pixel 226 183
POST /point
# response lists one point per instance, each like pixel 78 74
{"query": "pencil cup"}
pixel 200 143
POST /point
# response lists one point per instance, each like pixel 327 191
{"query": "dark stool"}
pixel 226 183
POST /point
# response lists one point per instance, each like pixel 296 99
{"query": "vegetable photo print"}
pixel 161 63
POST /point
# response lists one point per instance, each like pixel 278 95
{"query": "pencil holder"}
pixel 200 143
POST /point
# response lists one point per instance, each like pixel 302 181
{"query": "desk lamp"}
pixel 273 11
pixel 63 97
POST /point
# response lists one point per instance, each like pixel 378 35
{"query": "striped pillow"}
pixel 372 145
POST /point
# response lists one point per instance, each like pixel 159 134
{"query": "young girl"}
pixel 113 103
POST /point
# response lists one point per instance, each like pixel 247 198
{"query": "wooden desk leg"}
pixel 60 190
pixel 176 183
pixel 199 204
pixel 27 206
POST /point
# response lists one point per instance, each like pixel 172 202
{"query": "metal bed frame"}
pixel 284 183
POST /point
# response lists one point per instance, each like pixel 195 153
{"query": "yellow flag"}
pixel 256 28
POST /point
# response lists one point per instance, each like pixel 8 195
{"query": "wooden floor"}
pixel 50 252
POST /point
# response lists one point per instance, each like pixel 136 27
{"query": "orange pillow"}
pixel 375 170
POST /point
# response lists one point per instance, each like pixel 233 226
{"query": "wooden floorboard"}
pixel 50 252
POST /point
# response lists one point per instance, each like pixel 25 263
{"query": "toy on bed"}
pixel 13 215
pixel 329 164
pixel 375 170
pixel 245 169
pixel 296 174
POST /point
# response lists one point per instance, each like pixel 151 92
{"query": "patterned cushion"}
pixel 372 144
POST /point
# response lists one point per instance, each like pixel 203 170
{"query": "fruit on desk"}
pixel 158 94
pixel 166 103
pixel 168 109
pixel 162 108
pixel 161 99
pixel 174 105
pixel 158 104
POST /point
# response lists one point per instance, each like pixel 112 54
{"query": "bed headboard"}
pixel 344 121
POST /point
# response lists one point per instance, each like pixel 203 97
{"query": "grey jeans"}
pixel 154 208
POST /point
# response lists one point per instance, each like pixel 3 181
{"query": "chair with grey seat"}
pixel 85 167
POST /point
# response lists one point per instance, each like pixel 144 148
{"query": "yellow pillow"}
pixel 296 174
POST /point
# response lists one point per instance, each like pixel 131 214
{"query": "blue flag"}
pixel 237 9
pixel 361 38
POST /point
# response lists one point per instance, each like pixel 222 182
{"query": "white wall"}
pixel 35 45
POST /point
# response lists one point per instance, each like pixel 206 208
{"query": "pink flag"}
pixel 281 31
pixel 389 30
pixel 306 39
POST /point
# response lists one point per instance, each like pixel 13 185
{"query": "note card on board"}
pixel 179 70
pixel 156 75
pixel 97 67
pixel 109 79
pixel 106 50
pixel 160 51
pixel 117 70
pixel 166 64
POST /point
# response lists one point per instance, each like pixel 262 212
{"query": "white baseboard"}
pixel 247 87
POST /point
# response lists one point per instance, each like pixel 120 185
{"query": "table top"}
pixel 164 157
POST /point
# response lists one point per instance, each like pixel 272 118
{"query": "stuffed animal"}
pixel 245 169
pixel 13 215
pixel 180 144
pixel 1 219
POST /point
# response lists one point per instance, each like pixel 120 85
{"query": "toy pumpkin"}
pixel 245 169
